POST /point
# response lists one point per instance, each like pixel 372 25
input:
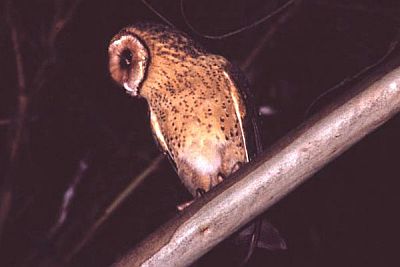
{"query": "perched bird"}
pixel 196 101
pixel 197 110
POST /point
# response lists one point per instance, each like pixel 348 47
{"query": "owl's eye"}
pixel 125 60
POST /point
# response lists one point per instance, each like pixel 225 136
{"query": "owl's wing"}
pixel 159 137
pixel 240 109
pixel 158 133
pixel 249 119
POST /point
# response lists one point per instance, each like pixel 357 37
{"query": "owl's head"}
pixel 128 61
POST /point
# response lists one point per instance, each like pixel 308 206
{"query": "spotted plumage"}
pixel 197 110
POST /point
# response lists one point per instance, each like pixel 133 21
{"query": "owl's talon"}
pixel 200 192
pixel 220 177
pixel 237 166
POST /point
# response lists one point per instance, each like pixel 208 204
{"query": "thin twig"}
pixel 392 46
pixel 63 211
pixel 22 102
pixel 5 122
pixel 16 132
pixel 68 197
pixel 60 20
pixel 121 197
pixel 376 9
pixel 268 35
pixel 163 18
pixel 237 31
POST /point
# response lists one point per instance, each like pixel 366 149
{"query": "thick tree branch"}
pixel 263 182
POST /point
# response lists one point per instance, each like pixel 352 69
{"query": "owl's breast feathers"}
pixel 196 110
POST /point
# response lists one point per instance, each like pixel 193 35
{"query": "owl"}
pixel 197 113
pixel 196 101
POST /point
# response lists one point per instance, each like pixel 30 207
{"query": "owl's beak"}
pixel 132 90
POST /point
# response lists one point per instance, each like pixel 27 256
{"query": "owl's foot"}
pixel 199 193
pixel 237 166
pixel 220 177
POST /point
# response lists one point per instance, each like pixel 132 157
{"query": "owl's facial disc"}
pixel 128 60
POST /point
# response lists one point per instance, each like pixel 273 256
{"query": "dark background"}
pixel 344 216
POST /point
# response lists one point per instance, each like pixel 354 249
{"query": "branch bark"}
pixel 276 173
